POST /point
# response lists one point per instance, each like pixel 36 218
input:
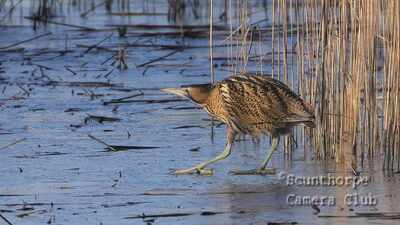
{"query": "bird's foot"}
pixel 259 171
pixel 194 170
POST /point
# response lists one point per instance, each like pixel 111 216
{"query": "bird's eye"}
pixel 188 94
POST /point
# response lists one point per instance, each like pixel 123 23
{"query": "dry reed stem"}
pixel 340 64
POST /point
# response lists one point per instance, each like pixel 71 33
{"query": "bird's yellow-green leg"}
pixel 199 169
pixel 263 170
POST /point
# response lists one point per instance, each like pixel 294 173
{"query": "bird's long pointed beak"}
pixel 176 91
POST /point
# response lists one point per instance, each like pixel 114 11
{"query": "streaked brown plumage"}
pixel 249 104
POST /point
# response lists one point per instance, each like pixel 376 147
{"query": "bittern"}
pixel 253 105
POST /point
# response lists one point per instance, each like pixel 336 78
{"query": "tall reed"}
pixel 339 58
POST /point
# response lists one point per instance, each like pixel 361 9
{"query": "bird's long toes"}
pixel 266 171
pixel 183 171
pixel 260 171
pixel 205 172
pixel 194 170
pixel 243 172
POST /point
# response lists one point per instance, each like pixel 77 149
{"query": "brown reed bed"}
pixel 347 62
pixel 348 54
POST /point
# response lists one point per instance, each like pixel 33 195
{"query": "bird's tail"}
pixel 310 124
pixel 311 111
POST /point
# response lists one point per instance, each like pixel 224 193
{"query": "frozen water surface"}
pixel 56 174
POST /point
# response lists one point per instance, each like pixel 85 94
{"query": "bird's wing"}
pixel 259 99
pixel 252 102
pixel 295 105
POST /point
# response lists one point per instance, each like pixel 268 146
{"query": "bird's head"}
pixel 198 93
